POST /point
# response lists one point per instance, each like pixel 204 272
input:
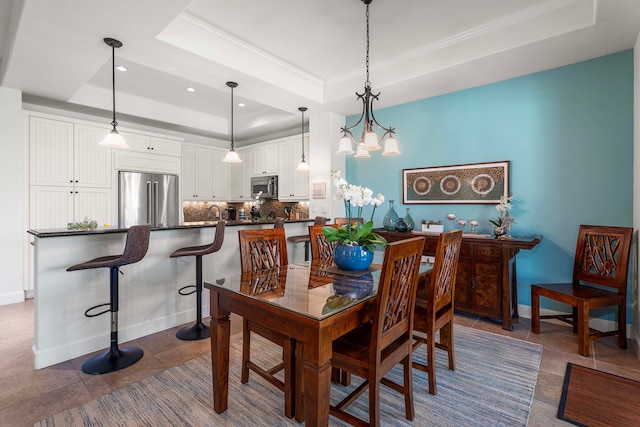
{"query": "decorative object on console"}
pixel 409 221
pixel 471 183
pixel 401 226
pixel 391 218
pixel 474 226
pixel 369 139
pixel 504 222
pixel 354 233
pixel 232 156
pixel 303 166
pixel 113 139
pixel 450 218
pixel 432 225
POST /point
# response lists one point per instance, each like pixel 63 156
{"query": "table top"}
pixel 314 289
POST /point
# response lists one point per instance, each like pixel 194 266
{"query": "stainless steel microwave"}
pixel 266 186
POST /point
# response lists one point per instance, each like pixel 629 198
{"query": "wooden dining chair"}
pixel 305 238
pixel 602 258
pixel 373 349
pixel 320 248
pixel 435 312
pixel 266 249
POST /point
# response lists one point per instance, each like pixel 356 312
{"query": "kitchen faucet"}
pixel 219 211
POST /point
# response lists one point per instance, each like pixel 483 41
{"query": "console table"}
pixel 486 282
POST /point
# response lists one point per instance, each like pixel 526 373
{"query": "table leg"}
pixel 317 382
pixel 220 338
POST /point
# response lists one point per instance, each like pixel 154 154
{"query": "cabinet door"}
pixel 92 161
pixel 168 147
pixel 136 142
pixel 301 181
pixel 204 173
pixel 188 176
pixel 487 279
pixel 286 170
pixel 221 176
pixel 464 285
pixel 237 178
pixel 92 203
pixel 247 169
pixel 51 152
pixel 265 160
pixel 50 207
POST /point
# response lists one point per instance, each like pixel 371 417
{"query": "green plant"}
pixel 432 222
pixel 355 233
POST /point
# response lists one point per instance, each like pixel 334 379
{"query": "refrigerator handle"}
pixel 156 207
pixel 149 199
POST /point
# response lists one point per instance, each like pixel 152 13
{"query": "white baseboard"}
pixel 12 298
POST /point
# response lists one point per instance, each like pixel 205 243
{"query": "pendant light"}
pixel 232 156
pixel 303 166
pixel 113 139
pixel 369 139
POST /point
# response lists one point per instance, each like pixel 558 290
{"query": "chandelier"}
pixel 369 139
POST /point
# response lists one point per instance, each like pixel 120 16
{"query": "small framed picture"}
pixel 319 190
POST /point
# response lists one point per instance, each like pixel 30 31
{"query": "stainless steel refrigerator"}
pixel 146 198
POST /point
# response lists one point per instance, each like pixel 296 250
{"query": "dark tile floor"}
pixel 28 395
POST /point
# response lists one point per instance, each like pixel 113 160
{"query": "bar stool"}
pixel 198 330
pixel 116 358
pixel 305 238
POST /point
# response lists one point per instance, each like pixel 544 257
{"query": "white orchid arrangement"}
pixel 504 207
pixel 354 233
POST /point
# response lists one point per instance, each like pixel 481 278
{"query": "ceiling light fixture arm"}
pixel 232 85
pixel 114 44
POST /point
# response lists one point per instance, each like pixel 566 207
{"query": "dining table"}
pixel 313 302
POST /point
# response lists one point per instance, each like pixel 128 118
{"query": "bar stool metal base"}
pixel 112 360
pixel 197 331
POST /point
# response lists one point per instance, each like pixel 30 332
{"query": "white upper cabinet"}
pixel 63 153
pixel 241 177
pixel 51 152
pixel 221 176
pixel 152 144
pixel 92 163
pixel 197 172
pixel 293 185
pixel 265 159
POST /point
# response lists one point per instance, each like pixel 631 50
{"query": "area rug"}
pixel 595 398
pixel 493 385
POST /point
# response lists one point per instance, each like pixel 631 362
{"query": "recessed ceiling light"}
pixel 190 89
pixel 242 104
pixel 121 68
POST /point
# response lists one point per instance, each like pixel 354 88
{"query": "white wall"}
pixel 324 133
pixel 12 196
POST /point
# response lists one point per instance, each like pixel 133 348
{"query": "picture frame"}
pixel 467 183
pixel 319 190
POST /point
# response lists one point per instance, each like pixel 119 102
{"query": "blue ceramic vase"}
pixel 353 258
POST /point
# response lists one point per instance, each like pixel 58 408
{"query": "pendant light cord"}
pixel 114 123
pixel 367 83
pixel 232 118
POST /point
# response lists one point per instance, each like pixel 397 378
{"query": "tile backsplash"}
pixel 200 211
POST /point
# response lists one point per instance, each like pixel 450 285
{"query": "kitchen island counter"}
pixel 149 299
pixel 61 232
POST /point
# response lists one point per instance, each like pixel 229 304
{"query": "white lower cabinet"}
pixel 55 207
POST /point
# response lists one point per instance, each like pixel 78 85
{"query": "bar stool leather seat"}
pixel 198 330
pixel 135 249
pixel 305 238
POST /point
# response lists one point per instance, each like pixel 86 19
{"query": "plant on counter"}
pixel 355 233
pixel 86 225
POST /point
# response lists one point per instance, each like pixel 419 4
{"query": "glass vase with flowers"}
pixel 502 224
pixel 356 241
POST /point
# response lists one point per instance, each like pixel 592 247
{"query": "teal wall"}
pixel 568 133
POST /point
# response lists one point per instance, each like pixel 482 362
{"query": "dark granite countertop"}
pixel 61 232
